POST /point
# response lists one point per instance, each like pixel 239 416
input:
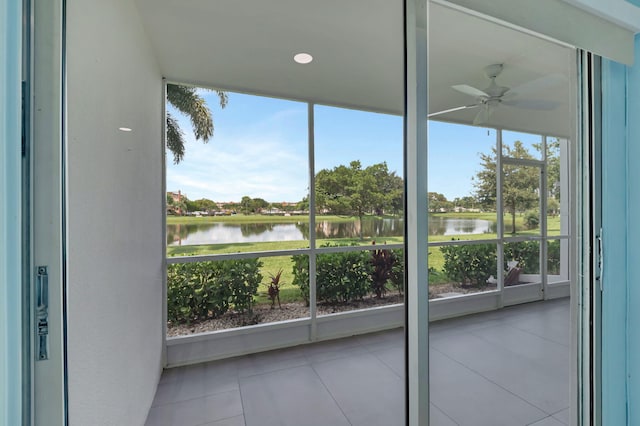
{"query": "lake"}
pixel 226 233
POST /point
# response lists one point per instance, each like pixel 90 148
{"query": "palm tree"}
pixel 186 100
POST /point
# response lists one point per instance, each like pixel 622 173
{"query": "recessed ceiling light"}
pixel 303 58
pixel 124 129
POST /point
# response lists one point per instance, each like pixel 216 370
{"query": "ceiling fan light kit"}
pixel 495 95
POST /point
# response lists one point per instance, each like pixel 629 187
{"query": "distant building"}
pixel 177 207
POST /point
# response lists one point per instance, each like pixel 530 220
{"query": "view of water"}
pixel 226 233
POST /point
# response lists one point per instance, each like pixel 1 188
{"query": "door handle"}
pixel 42 312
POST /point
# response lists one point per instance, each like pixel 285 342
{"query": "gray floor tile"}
pixel 472 400
pixel 368 391
pixel 232 421
pixel 495 368
pixel 381 340
pixel 326 351
pixel 191 382
pixel 548 421
pixel 271 361
pixel 545 353
pixel 539 382
pixel 393 358
pixel 550 324
pixel 221 376
pixel 564 416
pixel 197 411
pixel 292 397
pixel 184 374
pixel 438 418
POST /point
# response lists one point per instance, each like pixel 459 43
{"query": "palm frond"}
pixel 187 100
pixel 175 139
pixel 224 98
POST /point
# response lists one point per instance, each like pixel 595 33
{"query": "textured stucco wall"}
pixel 114 214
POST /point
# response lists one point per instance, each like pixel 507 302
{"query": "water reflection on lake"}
pixel 459 226
pixel 226 233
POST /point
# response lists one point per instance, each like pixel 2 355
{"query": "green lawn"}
pixel 271 265
pixel 254 218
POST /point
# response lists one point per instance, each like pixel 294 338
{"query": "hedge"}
pixel 201 290
pixel 348 276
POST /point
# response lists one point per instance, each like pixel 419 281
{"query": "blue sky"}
pixel 259 149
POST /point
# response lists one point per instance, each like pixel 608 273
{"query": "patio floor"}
pixel 507 367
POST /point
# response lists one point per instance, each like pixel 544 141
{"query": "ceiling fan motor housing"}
pixel 494 70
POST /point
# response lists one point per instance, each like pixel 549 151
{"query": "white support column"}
pixel 416 251
pixel 544 193
pixel 499 217
pixel 312 221
pixel 163 155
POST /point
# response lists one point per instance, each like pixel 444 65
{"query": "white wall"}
pixel 115 195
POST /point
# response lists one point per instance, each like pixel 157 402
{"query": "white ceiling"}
pixel 357 46
pixel 619 11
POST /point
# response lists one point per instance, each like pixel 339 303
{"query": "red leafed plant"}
pixel 274 289
pixel 382 261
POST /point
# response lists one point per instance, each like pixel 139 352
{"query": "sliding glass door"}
pixel 11 349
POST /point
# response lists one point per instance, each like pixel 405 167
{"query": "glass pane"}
pixel 521 145
pixel 246 189
pixel 556 181
pixel 359 184
pixel 521 200
pixel 360 279
pixel 455 270
pixel 462 182
pixel 553 257
pixel 521 263
pixel 217 295
pixel 557 260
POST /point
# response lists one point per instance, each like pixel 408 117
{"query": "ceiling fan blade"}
pixel 483 115
pixel 532 104
pixel 470 90
pixel 537 85
pixel 433 114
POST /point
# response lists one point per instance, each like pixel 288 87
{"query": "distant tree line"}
pixel 520 184
pixel 246 205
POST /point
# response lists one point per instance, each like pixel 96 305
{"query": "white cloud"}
pixel 257 164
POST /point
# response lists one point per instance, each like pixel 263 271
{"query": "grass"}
pixel 289 292
pixel 257 218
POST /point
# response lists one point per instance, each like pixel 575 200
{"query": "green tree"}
pixel 438 202
pixel 520 185
pixel 258 204
pixel 187 101
pixel 467 202
pixel 356 191
pixel 245 204
pixel 205 205
pixel 390 187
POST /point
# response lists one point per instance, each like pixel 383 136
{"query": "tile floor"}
pixel 508 367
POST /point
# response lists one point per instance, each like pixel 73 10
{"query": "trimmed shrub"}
pixel 527 253
pixel 201 290
pixel 301 274
pixel 340 277
pixel 470 264
pixel 553 257
pixel 532 219
pixel 396 276
pixel 343 277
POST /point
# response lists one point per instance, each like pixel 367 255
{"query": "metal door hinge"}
pixel 42 313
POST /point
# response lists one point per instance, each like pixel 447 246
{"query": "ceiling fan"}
pixel 493 96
